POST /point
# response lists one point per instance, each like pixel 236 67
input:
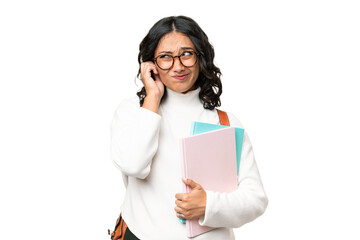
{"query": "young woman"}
pixel 181 84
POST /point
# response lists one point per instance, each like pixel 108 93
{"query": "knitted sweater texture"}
pixel 145 147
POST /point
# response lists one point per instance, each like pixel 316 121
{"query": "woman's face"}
pixel 178 78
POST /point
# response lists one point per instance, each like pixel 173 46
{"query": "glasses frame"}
pixel 173 60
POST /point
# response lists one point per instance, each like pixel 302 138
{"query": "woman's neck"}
pixel 176 99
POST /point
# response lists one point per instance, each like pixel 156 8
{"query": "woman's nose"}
pixel 178 65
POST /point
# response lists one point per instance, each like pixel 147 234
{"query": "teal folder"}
pixel 200 127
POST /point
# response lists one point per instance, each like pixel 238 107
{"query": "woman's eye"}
pixel 165 57
pixel 188 53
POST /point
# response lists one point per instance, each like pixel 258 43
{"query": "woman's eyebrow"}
pixel 187 48
pixel 170 52
pixel 167 52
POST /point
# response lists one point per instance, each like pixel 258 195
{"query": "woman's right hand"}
pixel 154 87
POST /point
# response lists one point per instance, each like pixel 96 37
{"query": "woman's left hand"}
pixel 191 205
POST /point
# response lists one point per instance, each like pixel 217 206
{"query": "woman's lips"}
pixel 180 77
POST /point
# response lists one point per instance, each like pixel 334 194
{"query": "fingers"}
pixel 181 204
pixel 146 68
pixel 181 196
pixel 187 214
pixel 153 87
pixel 183 214
pixel 191 183
pixel 179 210
pixel 193 204
pixel 184 208
pixel 181 207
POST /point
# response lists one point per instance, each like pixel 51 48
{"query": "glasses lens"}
pixel 188 59
pixel 165 61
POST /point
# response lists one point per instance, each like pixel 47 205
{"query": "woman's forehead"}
pixel 174 42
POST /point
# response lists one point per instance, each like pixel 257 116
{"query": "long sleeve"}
pixel 134 138
pixel 245 204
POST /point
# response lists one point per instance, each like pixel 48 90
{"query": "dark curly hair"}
pixel 209 75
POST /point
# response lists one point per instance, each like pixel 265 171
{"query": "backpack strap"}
pixel 120 229
pixel 224 119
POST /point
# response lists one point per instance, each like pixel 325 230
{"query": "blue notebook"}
pixel 200 127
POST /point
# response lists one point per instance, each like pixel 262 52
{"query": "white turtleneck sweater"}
pixel 145 146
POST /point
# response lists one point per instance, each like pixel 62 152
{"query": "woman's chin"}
pixel 180 88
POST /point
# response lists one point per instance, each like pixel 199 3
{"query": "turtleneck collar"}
pixel 175 99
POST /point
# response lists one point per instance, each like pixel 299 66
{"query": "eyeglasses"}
pixel 166 61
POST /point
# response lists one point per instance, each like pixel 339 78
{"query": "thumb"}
pixel 190 183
